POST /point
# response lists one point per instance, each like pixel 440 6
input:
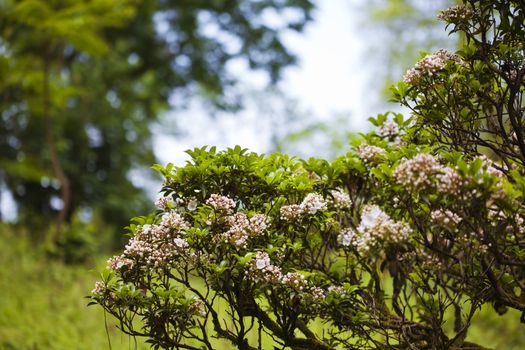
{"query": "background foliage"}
pixel 82 81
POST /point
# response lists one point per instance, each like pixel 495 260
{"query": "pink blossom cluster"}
pixel 294 280
pixel 170 221
pixel 221 203
pixel 375 229
pixel 456 14
pixel 118 262
pixel 261 269
pixel 424 171
pixel 388 129
pixel 369 154
pixel 241 228
pixel 418 172
pixel 341 199
pixel 445 218
pixel 338 290
pixel 154 245
pixel 99 289
pixel 316 293
pixel 430 65
pixel 291 212
pixel 449 181
pixel 163 203
pixel 311 204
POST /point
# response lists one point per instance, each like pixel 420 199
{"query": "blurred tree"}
pixel 400 30
pixel 81 81
pixel 403 28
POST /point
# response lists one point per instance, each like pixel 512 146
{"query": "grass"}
pixel 42 306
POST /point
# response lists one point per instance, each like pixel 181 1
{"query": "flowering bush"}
pixel 419 224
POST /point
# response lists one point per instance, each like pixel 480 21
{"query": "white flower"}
pixel 388 129
pixel 222 203
pixel 262 260
pixel 369 153
pixel 163 203
pixel 313 203
pixel 180 242
pixel 347 237
pixel 446 219
pixel 418 172
pixel 430 65
pixel 341 199
pixel 290 212
pixel 372 214
pixel 192 204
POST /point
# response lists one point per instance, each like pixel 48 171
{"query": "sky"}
pixel 330 80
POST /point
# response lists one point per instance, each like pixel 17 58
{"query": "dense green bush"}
pixel 396 245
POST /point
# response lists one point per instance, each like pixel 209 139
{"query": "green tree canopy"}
pixel 83 80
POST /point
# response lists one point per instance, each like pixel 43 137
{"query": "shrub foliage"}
pixel 395 245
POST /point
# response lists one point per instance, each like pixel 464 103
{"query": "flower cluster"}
pixel 341 199
pixel 375 229
pixel 347 237
pixel 241 228
pixel 449 181
pixel 310 205
pixel 337 290
pixel 261 269
pixel 430 65
pixel 313 203
pixel 154 245
pixel 294 280
pixel 171 221
pixel 317 293
pixel 446 219
pixel 417 173
pixel 163 203
pixel 99 289
pixel 291 212
pixel 388 129
pixel 116 263
pixel 490 167
pixel 369 153
pixel 221 203
pixel 456 14
pixel 258 224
